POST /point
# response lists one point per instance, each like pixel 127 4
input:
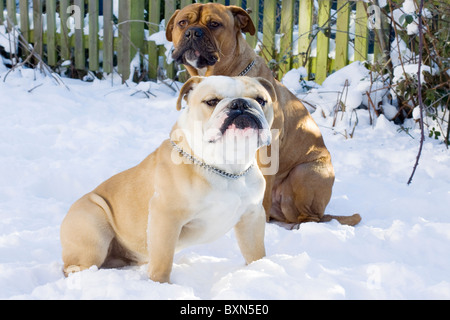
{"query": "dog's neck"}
pixel 191 141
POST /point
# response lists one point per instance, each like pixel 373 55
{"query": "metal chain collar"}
pixel 246 70
pixel 209 167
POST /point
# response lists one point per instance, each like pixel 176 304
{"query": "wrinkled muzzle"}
pixel 196 45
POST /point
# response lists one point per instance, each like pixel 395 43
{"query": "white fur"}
pixel 201 71
pixel 219 210
pixel 235 150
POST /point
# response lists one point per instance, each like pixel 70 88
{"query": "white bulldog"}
pixel 194 188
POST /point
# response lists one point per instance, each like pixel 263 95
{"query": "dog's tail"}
pixel 346 220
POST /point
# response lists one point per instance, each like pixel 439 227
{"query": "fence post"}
pixel 108 36
pixel 170 7
pixel 37 20
pixel 305 33
pixel 11 9
pixel 342 33
pixel 64 37
pixel 286 46
pixel 1 12
pixel 24 19
pixel 269 25
pixel 80 61
pixel 137 27
pixel 323 40
pixel 361 32
pixel 52 56
pixel 123 51
pixel 154 11
pixel 93 35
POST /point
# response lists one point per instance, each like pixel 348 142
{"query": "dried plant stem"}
pixel 419 95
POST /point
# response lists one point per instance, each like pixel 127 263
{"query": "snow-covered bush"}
pixel 403 63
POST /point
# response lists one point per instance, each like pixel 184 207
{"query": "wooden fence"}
pixel 110 33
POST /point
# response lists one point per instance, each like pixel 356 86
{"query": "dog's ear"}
pixel 242 19
pixel 170 24
pixel 269 87
pixel 186 88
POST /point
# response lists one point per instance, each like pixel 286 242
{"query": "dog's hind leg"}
pixel 86 234
pixel 304 194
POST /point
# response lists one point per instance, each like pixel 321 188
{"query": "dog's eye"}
pixel 212 102
pixel 214 24
pixel 182 23
pixel 261 101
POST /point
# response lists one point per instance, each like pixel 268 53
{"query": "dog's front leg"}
pixel 162 236
pixel 250 234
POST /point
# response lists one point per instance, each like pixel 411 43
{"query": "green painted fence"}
pixel 108 34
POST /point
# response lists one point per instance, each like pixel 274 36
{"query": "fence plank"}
pixel 184 3
pixel 137 27
pixel 108 37
pixel 323 40
pixel 154 11
pixel 1 12
pixel 123 54
pixel 304 33
pixel 52 56
pixel 269 29
pixel 361 32
pixel 286 29
pixel 37 22
pixel 11 8
pixel 342 35
pixel 236 3
pixel 80 61
pixel 169 9
pixel 24 19
pixel 64 36
pixel 93 35
pixel 254 14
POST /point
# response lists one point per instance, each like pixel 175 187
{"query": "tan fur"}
pixel 146 213
pixel 301 189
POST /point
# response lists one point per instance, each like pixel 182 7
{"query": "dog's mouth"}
pixel 243 126
pixel 241 121
pixel 196 58
pixel 198 53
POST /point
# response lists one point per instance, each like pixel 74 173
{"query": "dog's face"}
pixel 201 33
pixel 227 119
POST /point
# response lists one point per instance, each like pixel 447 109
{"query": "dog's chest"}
pixel 219 210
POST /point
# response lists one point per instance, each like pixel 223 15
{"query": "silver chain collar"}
pixel 247 70
pixel 209 167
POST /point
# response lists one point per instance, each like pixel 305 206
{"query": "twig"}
pixel 29 91
pixel 419 92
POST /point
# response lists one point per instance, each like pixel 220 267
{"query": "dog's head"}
pixel 202 33
pixel 226 118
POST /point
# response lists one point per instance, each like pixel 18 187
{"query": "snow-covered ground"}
pixel 56 144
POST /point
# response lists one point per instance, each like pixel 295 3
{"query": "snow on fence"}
pixel 106 35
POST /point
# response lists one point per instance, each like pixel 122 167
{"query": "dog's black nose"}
pixel 194 33
pixel 239 104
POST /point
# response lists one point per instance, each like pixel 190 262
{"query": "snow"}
pixel 56 144
pixel 8 40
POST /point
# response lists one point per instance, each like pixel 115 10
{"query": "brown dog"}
pixel 208 41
